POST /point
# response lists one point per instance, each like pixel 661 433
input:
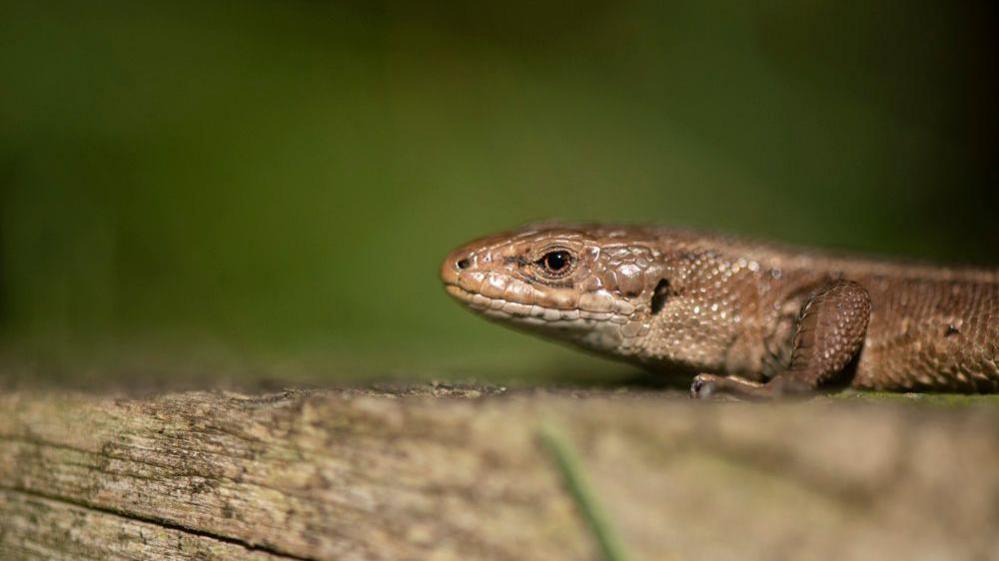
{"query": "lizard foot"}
pixel 704 386
pixel 710 386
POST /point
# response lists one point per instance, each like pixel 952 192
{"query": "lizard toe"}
pixel 703 386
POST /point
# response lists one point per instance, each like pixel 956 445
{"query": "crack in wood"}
pixel 166 524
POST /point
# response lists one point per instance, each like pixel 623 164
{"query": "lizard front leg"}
pixel 829 334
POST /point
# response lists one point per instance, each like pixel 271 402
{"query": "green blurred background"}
pixel 265 189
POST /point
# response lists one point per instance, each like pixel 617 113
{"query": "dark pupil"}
pixel 556 261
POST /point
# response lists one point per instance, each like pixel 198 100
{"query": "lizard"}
pixel 744 318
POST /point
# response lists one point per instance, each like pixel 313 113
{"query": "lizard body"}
pixel 750 319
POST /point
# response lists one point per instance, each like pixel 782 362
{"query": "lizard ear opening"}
pixel 659 296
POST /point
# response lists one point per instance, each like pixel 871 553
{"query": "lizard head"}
pixel 595 287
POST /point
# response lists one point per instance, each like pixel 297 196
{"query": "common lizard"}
pixel 745 318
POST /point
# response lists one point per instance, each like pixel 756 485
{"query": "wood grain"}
pixel 456 473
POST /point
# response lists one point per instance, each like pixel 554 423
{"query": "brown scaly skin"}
pixel 750 319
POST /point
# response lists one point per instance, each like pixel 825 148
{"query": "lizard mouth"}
pixel 529 313
pixel 497 307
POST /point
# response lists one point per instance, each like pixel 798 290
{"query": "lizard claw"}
pixel 703 386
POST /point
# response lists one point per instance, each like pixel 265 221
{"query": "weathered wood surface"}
pixel 349 475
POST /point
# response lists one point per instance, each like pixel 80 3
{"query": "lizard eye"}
pixel 556 263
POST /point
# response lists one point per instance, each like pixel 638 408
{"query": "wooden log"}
pixel 447 474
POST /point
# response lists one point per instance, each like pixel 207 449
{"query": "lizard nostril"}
pixel 463 263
